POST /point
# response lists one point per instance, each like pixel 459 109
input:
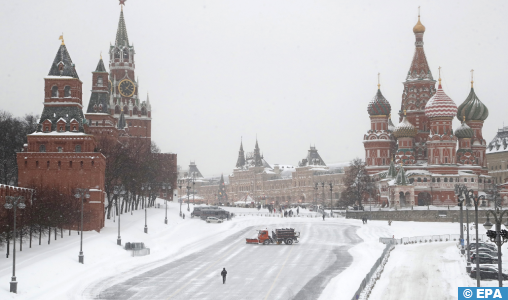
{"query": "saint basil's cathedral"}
pixel 63 153
pixel 418 162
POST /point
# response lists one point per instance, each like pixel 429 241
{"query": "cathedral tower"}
pixel 378 141
pixel 441 143
pixel 418 89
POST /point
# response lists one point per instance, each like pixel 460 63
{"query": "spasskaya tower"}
pixel 133 114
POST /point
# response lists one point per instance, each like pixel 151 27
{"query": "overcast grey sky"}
pixel 293 72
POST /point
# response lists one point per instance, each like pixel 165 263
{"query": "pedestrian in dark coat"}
pixel 323 217
pixel 298 211
pixel 223 274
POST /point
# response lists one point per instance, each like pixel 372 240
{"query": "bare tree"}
pixel 359 184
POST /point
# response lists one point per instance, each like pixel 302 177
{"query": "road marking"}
pixel 275 280
pixel 205 270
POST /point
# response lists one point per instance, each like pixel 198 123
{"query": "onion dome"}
pixel 440 105
pixel 404 129
pixel 419 28
pixel 464 131
pixel 391 127
pixel 472 108
pixel 379 105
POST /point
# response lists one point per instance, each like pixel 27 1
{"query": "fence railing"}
pixel 301 215
pixel 430 239
pixel 372 272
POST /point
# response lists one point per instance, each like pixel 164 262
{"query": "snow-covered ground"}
pixel 53 272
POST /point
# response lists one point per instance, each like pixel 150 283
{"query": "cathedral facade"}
pixel 419 161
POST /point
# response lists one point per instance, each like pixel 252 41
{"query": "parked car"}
pixel 213 220
pixel 488 272
pixel 485 258
pixel 482 245
pixel 485 250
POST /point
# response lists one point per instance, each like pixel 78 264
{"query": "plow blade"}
pixel 252 241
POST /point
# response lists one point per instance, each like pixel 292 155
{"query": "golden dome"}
pixel 419 28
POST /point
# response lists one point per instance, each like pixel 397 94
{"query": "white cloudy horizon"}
pixel 292 73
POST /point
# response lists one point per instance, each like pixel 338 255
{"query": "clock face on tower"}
pixel 126 88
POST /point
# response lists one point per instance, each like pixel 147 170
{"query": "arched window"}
pixel 465 179
pixel 125 53
pixel 126 109
pixel 135 110
pixel 67 91
pixel 117 110
pixel 42 148
pixel 99 81
pixel 77 148
pixel 472 179
pixel 446 179
pixel 439 180
pixel 54 92
pixel 419 179
pixel 143 111
pixel 433 179
pixel 424 179
pixel 411 180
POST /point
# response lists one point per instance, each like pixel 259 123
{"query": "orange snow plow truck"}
pixel 286 235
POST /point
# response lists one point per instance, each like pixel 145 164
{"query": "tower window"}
pixel 36 163
pixel 47 164
pixel 46 129
pixel 99 81
pixel 54 92
pixel 59 149
pixel 70 164
pixel 67 91
pixel 59 165
pixel 42 148
pixel 77 148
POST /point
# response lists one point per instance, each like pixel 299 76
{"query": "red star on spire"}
pixel 122 2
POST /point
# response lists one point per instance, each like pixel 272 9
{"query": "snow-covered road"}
pixel 299 271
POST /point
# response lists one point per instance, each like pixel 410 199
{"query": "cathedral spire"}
pixel 419 69
pixel 241 157
pixel 121 34
pixel 258 160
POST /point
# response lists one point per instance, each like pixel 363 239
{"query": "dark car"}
pixel 485 258
pixel 488 272
pixel 482 245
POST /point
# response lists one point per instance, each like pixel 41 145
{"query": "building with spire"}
pixel 263 183
pixel 62 154
pixel 124 98
pixel 424 141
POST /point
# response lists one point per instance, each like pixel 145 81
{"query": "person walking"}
pixel 223 274
pixel 298 211
pixel 323 216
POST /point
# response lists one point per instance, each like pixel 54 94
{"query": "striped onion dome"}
pixel 464 131
pixel 405 129
pixel 379 105
pixel 472 108
pixel 440 105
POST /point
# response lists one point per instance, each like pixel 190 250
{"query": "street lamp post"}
pixel 468 267
pixel 149 188
pixel 13 202
pixel 193 190
pixel 495 236
pixel 315 194
pixel 188 194
pixel 168 188
pixel 180 198
pixel 331 195
pixel 118 191
pixel 464 194
pixel 81 194
pixel 323 186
